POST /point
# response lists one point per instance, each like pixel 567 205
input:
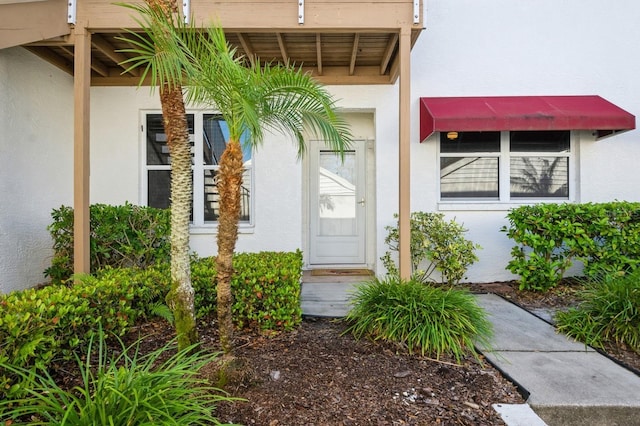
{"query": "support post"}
pixel 81 88
pixel 404 208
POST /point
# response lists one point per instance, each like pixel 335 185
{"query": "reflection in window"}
pixel 210 145
pixel 469 177
pixel 504 165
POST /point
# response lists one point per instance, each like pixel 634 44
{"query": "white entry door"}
pixel 337 206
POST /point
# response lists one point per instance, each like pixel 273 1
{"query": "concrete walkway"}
pixel 568 384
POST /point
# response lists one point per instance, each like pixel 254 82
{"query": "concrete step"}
pixel 569 383
pixel 326 299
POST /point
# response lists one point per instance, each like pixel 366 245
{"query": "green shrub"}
pixel 431 320
pixel 605 237
pixel 609 311
pixel 120 236
pixel 39 325
pixel 265 287
pixel 126 389
pixel 438 242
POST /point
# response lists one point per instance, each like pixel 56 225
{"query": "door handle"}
pixel 361 202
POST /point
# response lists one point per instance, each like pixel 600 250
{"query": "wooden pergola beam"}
pixel 404 154
pixel 354 53
pixel 391 45
pixel 22 23
pixel 53 58
pixel 81 96
pixel 283 48
pixel 319 52
pixel 105 47
pixel 248 48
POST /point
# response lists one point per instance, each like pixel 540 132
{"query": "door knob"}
pixel 361 202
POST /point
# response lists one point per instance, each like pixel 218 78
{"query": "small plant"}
pixel 427 319
pixel 609 312
pixel 438 242
pixel 128 389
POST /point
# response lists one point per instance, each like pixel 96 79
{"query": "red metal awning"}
pixel 523 113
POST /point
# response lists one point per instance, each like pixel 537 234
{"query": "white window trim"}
pixel 197 226
pixel 504 202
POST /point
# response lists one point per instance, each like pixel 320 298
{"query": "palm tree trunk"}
pixel 229 185
pixel 181 297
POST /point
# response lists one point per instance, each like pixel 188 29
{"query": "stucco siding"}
pixel 36 159
pixel 468 48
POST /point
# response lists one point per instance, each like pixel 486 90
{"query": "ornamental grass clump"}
pixel 430 320
pixel 609 312
pixel 126 389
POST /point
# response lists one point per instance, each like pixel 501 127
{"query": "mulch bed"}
pixel 317 375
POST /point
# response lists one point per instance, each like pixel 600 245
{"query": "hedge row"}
pixel 605 237
pixel 40 325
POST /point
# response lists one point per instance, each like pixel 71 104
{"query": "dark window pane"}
pixel 159 182
pixel 159 189
pixel 469 177
pixel 469 142
pixel 157 148
pixel 535 177
pixel 540 141
pixel 212 197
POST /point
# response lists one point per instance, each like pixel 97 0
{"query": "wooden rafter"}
pixel 354 53
pixel 283 48
pixel 319 52
pixel 52 57
pixel 386 57
pixel 106 48
pixel 248 48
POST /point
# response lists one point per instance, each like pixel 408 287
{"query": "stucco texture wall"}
pixel 36 162
pixel 468 48
pixel 507 48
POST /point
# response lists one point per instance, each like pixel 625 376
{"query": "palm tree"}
pixel 253 97
pixel 159 54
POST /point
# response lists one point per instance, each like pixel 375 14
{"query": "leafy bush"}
pixel 609 312
pixel 127 389
pixel 39 325
pixel 440 243
pixel 120 236
pixel 431 320
pixel 605 237
pixel 265 287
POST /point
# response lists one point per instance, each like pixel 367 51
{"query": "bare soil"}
pixel 317 375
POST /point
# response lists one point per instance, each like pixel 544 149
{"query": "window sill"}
pixel 243 228
pixel 492 205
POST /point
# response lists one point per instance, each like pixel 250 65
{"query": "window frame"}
pixel 504 201
pixel 197 225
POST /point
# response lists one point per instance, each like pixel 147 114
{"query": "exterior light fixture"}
pixel 452 135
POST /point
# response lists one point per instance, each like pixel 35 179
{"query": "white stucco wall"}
pixel 36 158
pixel 469 48
pixel 116 164
pixel 546 47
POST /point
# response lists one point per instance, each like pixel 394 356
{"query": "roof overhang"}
pixel 443 114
